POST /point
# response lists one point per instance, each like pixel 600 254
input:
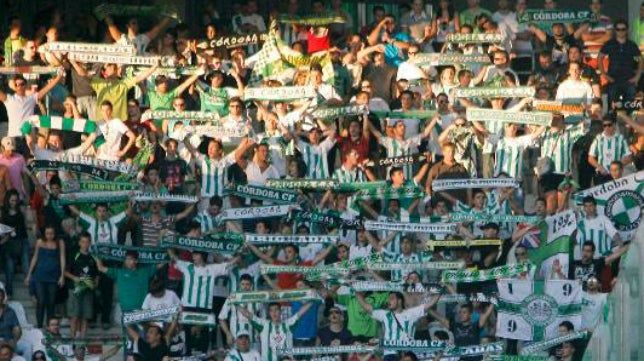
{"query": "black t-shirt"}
pixel 623 59
pixel 327 336
pixel 465 335
pixel 152 354
pixel 583 271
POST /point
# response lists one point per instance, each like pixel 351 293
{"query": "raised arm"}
pixel 245 312
pixel 486 315
pixel 141 77
pixel 322 255
pixel 372 39
pixel 51 84
pixel 181 88
pixel 61 247
pixel 114 31
pixel 154 32
pixel 303 310
pixel 442 320
pixel 365 305
pixel 618 253
pixel 538 33
pixel 266 257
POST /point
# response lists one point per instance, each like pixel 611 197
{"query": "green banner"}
pixel 310 20
pixel 270 239
pixel 542 16
pixel 198 319
pixel 506 116
pixel 77 47
pixel 497 218
pixel 327 350
pixel 330 219
pixel 464 276
pixel 335 112
pixel 322 184
pixel 41 70
pixel 218 243
pixel 102 10
pixel 95 197
pixel 183 115
pixel 93 171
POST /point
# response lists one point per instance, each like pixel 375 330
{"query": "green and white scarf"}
pixel 544 345
pixel 431 244
pixel 270 239
pixel 327 350
pixel 149 315
pixel 40 165
pixel 542 16
pixel 284 93
pixel 401 160
pixel 410 114
pixel 116 252
pixel 166 61
pixel 412 345
pixel 165 197
pixel 395 266
pixel 217 132
pixel 445 184
pixel 184 115
pixel 274 296
pixel 273 269
pixel 198 319
pixel 262 193
pixel 233 41
pixel 330 219
pixel 444 228
pixel 95 197
pixel 335 112
pixel 110 165
pixel 73 47
pixel 474 38
pixel 506 116
pixel 64 124
pixel 516 358
pixel 98 186
pixel 497 218
pixel 219 243
pixel 495 92
pixel 310 20
pixel 404 192
pixel 439 59
pixel 255 212
pixel 322 184
pixel 102 10
pixel 464 276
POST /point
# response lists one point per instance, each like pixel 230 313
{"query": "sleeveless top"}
pixel 48 265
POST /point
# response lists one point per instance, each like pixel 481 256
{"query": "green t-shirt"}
pixel 216 99
pixel 132 285
pixel 360 322
pixel 468 16
pixel 160 101
pixel 114 90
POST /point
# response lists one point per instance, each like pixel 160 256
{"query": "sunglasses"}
pixel 606 125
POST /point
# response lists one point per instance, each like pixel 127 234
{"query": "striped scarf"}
pixel 65 124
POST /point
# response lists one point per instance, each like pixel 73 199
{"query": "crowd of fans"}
pixel 590 64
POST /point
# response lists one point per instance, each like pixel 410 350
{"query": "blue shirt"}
pixel 393 54
pixel 307 327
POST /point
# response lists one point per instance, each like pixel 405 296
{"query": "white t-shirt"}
pixel 257 177
pixel 112 131
pixel 140 42
pixel 168 299
pixel 18 109
pixel 575 91
pixel 592 309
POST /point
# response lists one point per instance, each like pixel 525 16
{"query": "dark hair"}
pixel 399 296
pixel 10 192
pixel 161 79
pixel 609 118
pixel 620 21
pixel 618 163
pixel 55 181
pixel 568 325
pixel 450 10
pixel 590 244
pixel 469 307
pixel 151 167
pixel 101 204
pixel 38 353
pixel 85 234
pixel 441 335
pixel 394 170
pixel 272 304
pixel 378 8
pixel 246 277
pixel 216 201
pixel 442 95
pixel 133 254
pixel 589 199
pixel 107 103
pixel 294 246
pixel 18 77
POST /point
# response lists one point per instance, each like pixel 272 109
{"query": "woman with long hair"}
pixel 15 245
pixel 48 269
pixel 447 22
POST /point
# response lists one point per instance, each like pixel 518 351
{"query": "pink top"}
pixel 15 164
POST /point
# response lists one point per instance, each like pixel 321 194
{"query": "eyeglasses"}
pixel 620 29
pixel 606 125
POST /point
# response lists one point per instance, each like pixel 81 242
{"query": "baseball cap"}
pixel 243 333
pixel 8 143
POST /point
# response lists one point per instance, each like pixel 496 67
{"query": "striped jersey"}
pixel 397 148
pixel 558 146
pixel 102 232
pixel 475 227
pixel 235 273
pixel 199 283
pixel 400 275
pixel 235 355
pixel 509 155
pixel 274 336
pixel 600 230
pixel 344 175
pixel 608 149
pixel 207 222
pixel 214 174
pixel 315 157
pixel 399 326
pixel 237 322
pixel 506 228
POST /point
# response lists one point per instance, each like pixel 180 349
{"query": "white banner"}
pixel 444 184
pixel 95 48
pixel 255 212
pixel 439 228
pixel 506 116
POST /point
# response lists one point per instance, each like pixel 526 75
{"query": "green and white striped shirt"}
pixel 392 323
pixel 214 174
pixel 315 157
pixel 509 155
pixel 475 227
pixel 399 275
pixel 105 232
pixel 397 148
pixel 237 322
pixel 207 222
pixel 600 230
pixel 274 336
pixel 608 149
pixel 558 146
pixel 344 175
pixel 199 283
